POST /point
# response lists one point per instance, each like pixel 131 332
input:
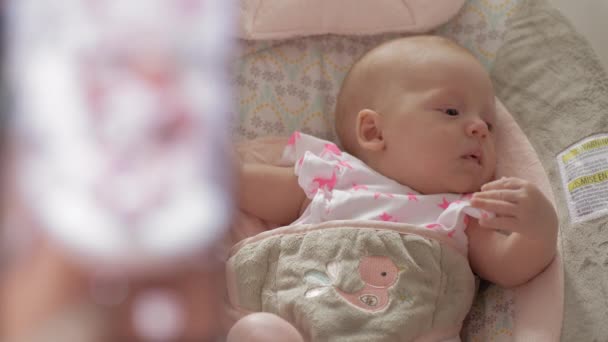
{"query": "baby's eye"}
pixel 490 126
pixel 451 111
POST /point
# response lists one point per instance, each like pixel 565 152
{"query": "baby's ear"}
pixel 369 130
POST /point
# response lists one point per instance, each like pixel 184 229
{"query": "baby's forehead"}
pixel 415 63
pixel 415 50
pixel 425 64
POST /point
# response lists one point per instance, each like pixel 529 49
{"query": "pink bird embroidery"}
pixel 412 197
pixel 292 139
pixel 444 205
pixel 328 183
pixel 379 273
pixel 332 149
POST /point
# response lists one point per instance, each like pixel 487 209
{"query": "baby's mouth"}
pixel 474 157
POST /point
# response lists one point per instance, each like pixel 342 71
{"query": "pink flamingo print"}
pixel 345 164
pixel 445 204
pixel 412 197
pixel 328 183
pixel 332 149
pixel 292 139
pixel 387 217
pixel 357 187
pixel 378 194
pixel 378 273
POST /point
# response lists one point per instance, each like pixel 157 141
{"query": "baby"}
pixel 415 117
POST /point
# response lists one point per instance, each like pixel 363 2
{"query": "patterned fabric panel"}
pixel 491 317
pixel 288 85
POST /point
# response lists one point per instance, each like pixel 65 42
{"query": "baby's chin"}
pixel 449 183
pixel 467 189
pixel 463 186
pixel 453 188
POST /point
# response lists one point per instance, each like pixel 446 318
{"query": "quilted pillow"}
pixel 280 19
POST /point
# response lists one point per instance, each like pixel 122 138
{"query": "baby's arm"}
pixel 271 193
pixel 524 212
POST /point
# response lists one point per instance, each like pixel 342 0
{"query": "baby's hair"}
pixel 359 91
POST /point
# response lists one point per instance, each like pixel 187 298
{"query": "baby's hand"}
pixel 520 207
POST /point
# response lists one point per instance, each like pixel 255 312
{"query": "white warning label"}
pixel 584 170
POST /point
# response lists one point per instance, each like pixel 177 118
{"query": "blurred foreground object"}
pixel 122 125
pixel 121 139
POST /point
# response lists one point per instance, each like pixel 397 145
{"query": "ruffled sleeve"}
pixel 315 162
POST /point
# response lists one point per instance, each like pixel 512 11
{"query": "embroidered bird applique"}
pixel 379 273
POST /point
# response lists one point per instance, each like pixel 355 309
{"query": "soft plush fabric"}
pixel 281 19
pixel 557 90
pixel 355 280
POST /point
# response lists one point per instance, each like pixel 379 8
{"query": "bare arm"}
pixel 524 212
pixel 271 193
pixel 507 260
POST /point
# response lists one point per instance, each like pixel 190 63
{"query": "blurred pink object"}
pixel 122 126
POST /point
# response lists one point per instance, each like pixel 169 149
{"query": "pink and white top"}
pixel 342 187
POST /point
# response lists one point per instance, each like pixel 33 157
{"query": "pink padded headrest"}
pixel 280 19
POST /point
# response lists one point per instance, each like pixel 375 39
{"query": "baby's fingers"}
pixel 513 196
pixel 503 208
pixel 504 183
pixel 509 224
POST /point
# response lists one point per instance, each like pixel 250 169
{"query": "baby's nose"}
pixel 478 128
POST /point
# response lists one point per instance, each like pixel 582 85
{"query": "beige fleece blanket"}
pixel 550 79
pixel 355 281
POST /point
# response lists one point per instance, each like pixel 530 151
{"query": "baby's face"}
pixel 439 127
